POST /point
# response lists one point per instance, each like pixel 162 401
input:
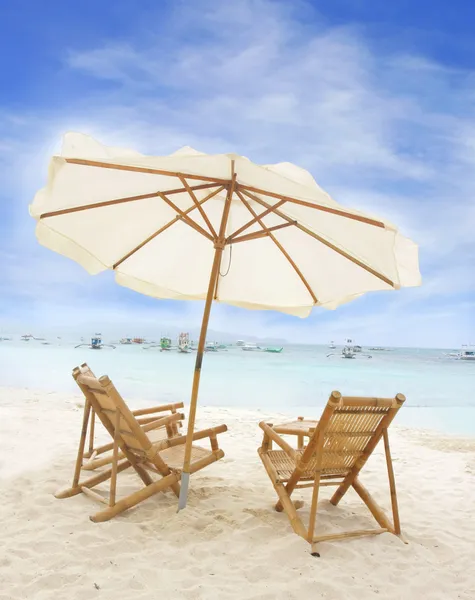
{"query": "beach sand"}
pixel 229 542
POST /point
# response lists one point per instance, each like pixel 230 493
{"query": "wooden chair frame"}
pixel 330 458
pixel 89 460
pixel 132 448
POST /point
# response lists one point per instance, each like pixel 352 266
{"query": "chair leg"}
pixel 373 506
pixel 82 443
pixel 392 484
pixel 91 465
pixel 91 432
pixel 135 498
pixel 100 462
pixel 342 489
pixel 290 510
pixel 142 473
pixel 176 489
pixel 289 488
pixel 92 481
pixel 115 460
pixel 313 508
pixel 316 445
pixel 376 511
pixel 284 498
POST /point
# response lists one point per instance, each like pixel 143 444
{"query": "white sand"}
pixel 228 543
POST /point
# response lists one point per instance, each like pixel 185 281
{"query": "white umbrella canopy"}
pixel 347 255
pixel 194 226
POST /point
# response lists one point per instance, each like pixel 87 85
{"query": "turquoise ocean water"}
pixel 440 392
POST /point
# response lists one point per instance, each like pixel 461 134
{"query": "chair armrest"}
pixel 212 432
pixel 156 409
pixel 145 420
pixel 163 421
pixel 275 437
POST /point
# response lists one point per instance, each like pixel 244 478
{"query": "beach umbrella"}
pixel 194 226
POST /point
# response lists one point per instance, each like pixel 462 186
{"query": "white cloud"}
pixel 392 134
pixel 315 94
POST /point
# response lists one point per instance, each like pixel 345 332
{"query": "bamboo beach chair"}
pixel 343 440
pixel 89 460
pixel 163 458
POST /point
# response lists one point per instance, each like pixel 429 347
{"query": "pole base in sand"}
pixel 184 482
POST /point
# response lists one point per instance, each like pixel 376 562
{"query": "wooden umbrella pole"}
pixel 219 247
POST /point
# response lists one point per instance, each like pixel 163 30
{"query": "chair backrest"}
pixel 347 433
pixel 113 412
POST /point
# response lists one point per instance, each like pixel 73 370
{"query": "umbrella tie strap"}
pixel 229 264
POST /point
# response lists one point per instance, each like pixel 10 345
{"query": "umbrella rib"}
pixel 321 207
pixel 165 227
pixel 198 206
pixel 324 241
pixel 104 165
pixel 259 234
pixel 267 231
pixel 254 220
pixel 186 219
pixel 65 211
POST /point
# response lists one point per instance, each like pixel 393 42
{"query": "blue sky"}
pixel 376 99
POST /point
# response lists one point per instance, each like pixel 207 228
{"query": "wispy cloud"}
pixel 389 133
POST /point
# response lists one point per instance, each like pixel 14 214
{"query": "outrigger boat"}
pixel 273 350
pixel 184 343
pixel 29 336
pixel 467 353
pixel 347 352
pixel 96 343
pixel 165 344
pixel 126 341
pixel 250 347
pixel 353 347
